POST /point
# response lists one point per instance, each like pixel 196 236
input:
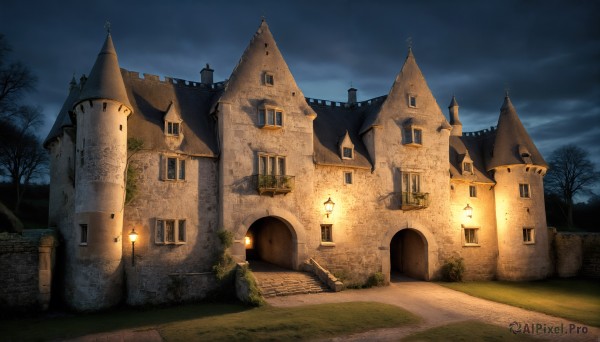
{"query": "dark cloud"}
pixel 545 52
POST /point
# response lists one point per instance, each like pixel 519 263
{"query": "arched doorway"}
pixel 408 254
pixel 269 239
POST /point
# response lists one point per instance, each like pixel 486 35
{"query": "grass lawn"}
pixel 573 299
pixel 209 322
pixel 468 331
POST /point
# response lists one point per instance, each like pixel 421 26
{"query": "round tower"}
pixel 101 155
pixel 454 120
pixel 518 169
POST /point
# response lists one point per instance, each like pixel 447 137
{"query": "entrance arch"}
pixel 408 254
pixel 269 239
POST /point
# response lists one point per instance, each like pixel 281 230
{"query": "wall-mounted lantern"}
pixel 133 236
pixel 468 211
pixel 328 206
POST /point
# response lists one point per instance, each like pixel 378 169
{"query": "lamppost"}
pixel 468 211
pixel 328 206
pixel 133 236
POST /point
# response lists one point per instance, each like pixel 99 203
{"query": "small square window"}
pixel 269 79
pixel 174 169
pixel 472 191
pixel 347 152
pixel 528 235
pixel 524 191
pixel 270 117
pixel 172 128
pixel 83 236
pixel 413 135
pixel 471 237
pixel 169 231
pixel 347 177
pixel 468 167
pixel 418 136
pixel 412 101
pixel 171 168
pixel 326 233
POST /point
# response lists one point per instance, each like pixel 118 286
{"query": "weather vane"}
pixel 506 89
pixel 107 26
pixel 409 42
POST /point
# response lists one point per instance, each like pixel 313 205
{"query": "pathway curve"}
pixel 437 306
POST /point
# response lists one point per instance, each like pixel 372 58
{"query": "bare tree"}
pixel 571 173
pixel 15 80
pixel 22 156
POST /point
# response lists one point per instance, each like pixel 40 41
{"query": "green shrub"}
pixel 375 279
pixel 453 269
pixel 226 238
pixel 254 296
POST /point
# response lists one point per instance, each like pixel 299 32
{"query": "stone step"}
pixel 286 283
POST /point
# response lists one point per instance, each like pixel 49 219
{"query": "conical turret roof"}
pixel 105 80
pixel 512 144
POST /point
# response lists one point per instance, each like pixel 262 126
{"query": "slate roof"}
pixel 511 137
pixel 105 80
pixel 63 119
pixel 330 126
pixel 477 146
pixel 150 100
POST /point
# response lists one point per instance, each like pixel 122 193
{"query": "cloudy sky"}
pixel 546 53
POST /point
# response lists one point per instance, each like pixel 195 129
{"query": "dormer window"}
pixel 173 122
pixel 467 164
pixel 173 128
pixel 346 147
pixel 412 100
pixel 269 79
pixel 413 135
pixel 270 117
pixel 525 155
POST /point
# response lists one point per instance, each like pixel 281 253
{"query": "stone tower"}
pixel 101 112
pixel 518 169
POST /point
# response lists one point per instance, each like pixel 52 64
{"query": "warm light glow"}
pixel 133 235
pixel 329 206
pixel 468 211
pixel 247 241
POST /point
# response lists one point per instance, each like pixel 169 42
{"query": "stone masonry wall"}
pixel 575 254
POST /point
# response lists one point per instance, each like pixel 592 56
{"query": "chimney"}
pixel 351 96
pixel 206 75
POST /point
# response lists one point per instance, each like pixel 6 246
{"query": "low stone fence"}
pixel 325 276
pixel 26 264
pixel 575 254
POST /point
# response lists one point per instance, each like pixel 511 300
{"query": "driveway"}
pixel 437 306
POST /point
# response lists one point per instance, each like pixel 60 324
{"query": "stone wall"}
pixel 575 254
pixel 26 262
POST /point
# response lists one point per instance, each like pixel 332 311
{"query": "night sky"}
pixel 546 53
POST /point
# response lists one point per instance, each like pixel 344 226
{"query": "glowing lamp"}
pixel 328 206
pixel 133 236
pixel 468 211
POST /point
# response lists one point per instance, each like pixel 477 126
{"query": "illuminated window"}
pixel 170 231
pixel 528 235
pixel 472 191
pixel 524 191
pixel 326 233
pixel 470 235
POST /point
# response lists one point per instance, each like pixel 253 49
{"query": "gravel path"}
pixel 437 306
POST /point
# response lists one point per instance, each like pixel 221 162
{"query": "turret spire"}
pixel 454 120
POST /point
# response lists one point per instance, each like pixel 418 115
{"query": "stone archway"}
pixel 408 254
pixel 269 239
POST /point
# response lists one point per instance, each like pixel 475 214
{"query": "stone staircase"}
pixel 275 281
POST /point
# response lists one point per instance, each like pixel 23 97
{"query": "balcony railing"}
pixel 274 184
pixel 414 200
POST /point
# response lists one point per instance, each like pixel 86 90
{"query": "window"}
pixel 348 177
pixel 270 117
pixel 173 128
pixel 269 79
pixel 83 236
pixel 472 191
pixel 272 165
pixel 170 231
pixel 524 191
pixel 471 236
pixel 175 169
pixel 412 101
pixel 411 182
pixel 413 135
pixel 528 235
pixel 347 153
pixel 326 233
pixel 468 167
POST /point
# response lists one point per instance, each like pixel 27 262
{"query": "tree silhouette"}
pixel 571 173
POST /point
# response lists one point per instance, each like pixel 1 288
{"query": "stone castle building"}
pixel 252 155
